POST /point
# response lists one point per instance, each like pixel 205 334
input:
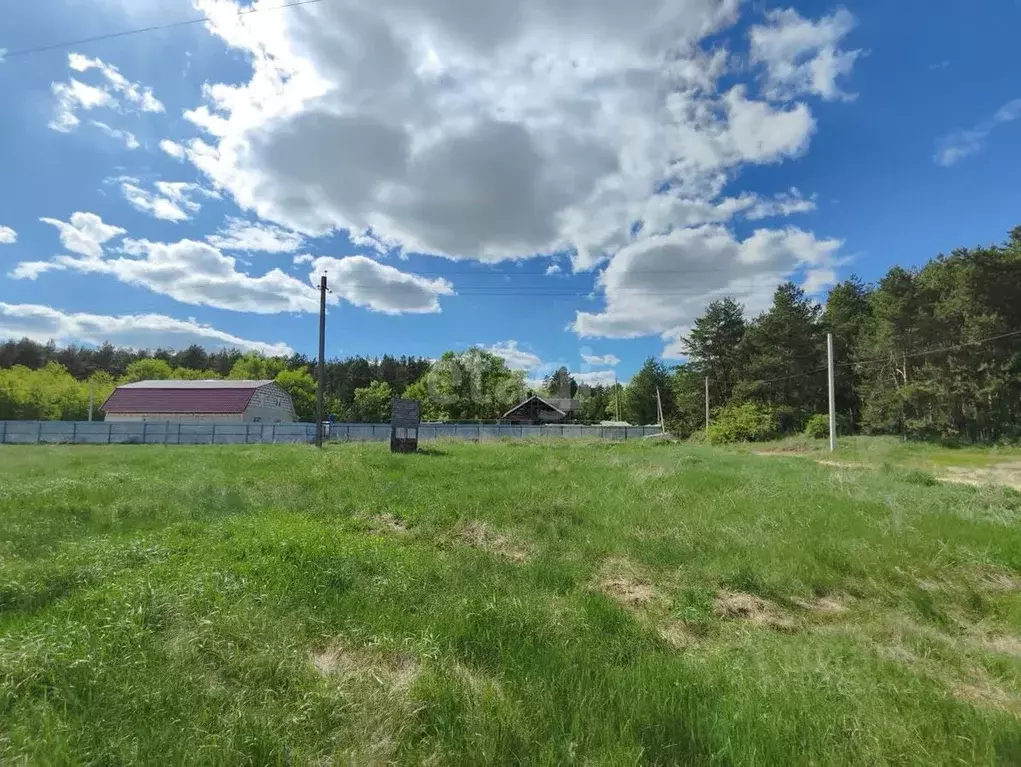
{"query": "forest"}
pixel 926 353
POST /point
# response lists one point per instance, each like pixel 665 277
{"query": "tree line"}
pixel 927 353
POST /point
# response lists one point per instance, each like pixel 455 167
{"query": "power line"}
pixel 927 352
pixel 128 32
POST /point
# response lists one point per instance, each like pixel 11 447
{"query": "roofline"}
pixel 534 396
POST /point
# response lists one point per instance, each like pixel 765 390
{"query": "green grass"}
pixel 893 450
pixel 501 603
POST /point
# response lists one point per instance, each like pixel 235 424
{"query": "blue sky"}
pixel 568 183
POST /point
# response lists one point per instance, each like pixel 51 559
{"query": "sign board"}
pixel 405 418
pixel 406 414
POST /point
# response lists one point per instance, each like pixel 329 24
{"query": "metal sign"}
pixel 406 414
pixel 405 418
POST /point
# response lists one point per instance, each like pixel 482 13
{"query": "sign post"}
pixel 405 418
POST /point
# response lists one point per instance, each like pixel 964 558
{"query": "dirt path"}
pixel 1005 474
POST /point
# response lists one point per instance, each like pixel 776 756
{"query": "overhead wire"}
pixel 140 30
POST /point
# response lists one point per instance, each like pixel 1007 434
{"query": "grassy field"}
pixel 502 603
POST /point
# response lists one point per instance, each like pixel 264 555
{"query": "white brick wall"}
pixel 271 404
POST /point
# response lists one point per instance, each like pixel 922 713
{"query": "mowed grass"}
pixel 548 603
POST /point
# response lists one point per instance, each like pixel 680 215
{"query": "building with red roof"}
pixel 221 401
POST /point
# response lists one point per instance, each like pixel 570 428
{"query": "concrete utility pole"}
pixel 707 404
pixel 92 397
pixel 659 410
pixel 833 394
pixel 322 362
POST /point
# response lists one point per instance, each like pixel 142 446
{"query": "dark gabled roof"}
pixel 173 397
pixel 562 406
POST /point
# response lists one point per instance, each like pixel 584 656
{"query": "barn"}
pixel 541 410
pixel 220 401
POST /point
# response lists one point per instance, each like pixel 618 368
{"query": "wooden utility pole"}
pixel 833 394
pixel 322 362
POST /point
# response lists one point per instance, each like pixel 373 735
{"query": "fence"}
pixel 174 433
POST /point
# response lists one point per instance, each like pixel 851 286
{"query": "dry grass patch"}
pixel 479 535
pixel 375 687
pixel 831 605
pixel 389 523
pixel 621 581
pixel 982 692
pixel 737 605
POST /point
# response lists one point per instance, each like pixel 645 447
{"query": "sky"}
pixel 564 182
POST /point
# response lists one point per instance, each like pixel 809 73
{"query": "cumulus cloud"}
pixel 516 357
pixel 380 288
pixel 171 200
pixel 596 378
pixel 85 234
pixel 248 236
pixel 801 56
pixel 609 360
pixel 139 331
pixel 662 283
pixel 115 93
pixel 8 236
pixel 956 146
pixel 173 149
pixel 494 131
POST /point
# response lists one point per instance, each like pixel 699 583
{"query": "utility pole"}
pixel 833 394
pixel 659 410
pixel 616 395
pixel 707 405
pixel 322 362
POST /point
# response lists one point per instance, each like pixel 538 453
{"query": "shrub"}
pixel 748 422
pixel 818 427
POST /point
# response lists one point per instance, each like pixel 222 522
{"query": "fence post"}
pixel 212 436
pixel 39 435
pixel 109 432
pixel 3 434
pixel 145 429
pixel 347 434
pixel 178 432
pixel 273 435
pixel 74 432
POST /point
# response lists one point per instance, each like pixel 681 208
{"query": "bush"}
pixel 818 427
pixel 744 423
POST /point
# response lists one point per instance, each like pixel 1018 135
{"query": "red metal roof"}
pixel 203 401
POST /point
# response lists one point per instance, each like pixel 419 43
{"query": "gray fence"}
pixel 174 433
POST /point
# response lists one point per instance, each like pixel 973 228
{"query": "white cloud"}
pixel 116 93
pixel 553 269
pixel 596 378
pixel 140 331
pixel 248 236
pixel 783 204
pixel 380 288
pixel 802 56
pixel 609 360
pixel 662 283
pixel 172 200
pixel 129 139
pixel 187 271
pixel 491 130
pixel 134 93
pixel 7 236
pixel 955 147
pixel 173 149
pixel 85 234
pixel 72 96
pixel 515 357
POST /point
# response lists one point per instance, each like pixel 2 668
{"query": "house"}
pixel 540 410
pixel 221 401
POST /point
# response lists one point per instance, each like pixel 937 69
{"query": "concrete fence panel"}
pixel 234 433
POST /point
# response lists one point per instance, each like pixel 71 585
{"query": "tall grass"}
pixel 524 603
